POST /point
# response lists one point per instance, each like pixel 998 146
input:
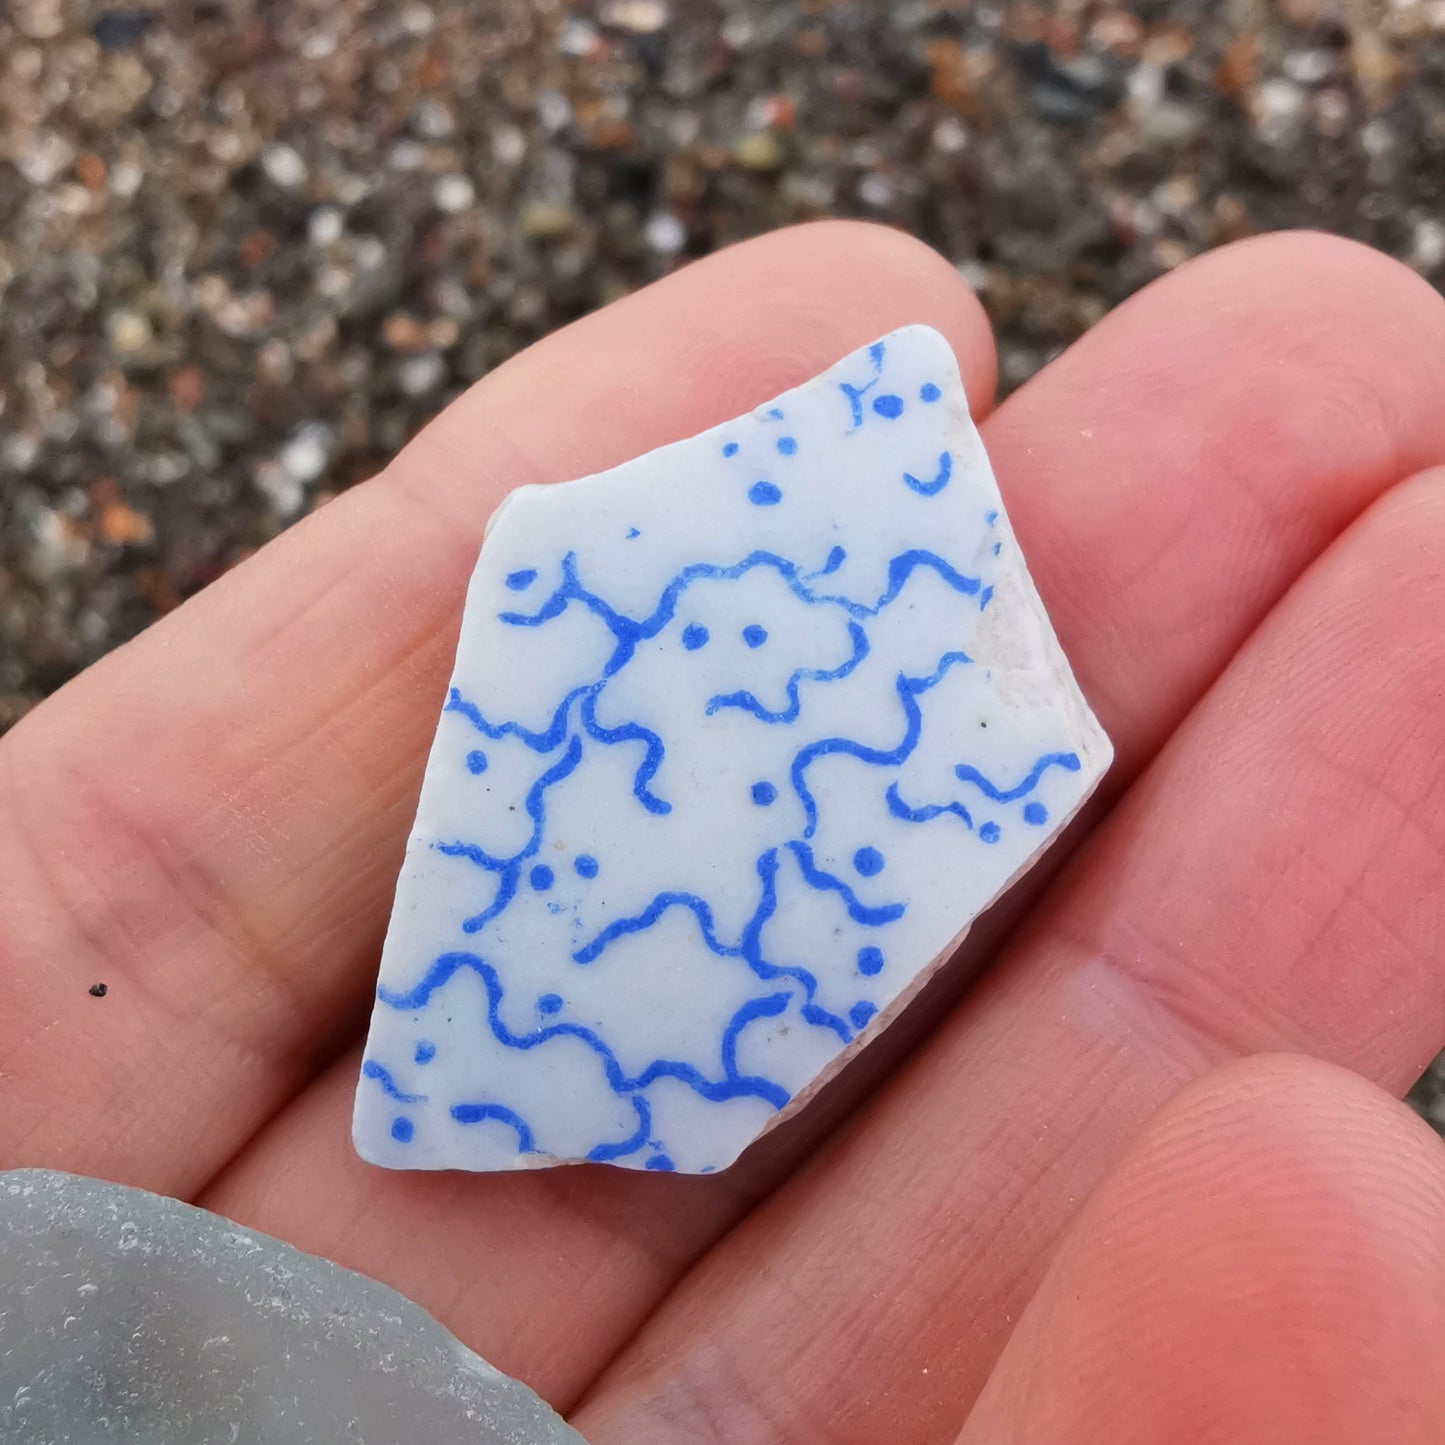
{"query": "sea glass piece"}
pixel 127 1317
pixel 742 736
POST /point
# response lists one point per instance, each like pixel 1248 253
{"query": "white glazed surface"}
pixel 789 832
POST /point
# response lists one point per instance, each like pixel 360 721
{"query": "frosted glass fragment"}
pixel 126 1317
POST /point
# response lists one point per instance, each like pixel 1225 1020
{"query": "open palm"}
pixel 1135 1182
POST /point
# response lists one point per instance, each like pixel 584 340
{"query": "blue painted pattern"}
pixel 534 847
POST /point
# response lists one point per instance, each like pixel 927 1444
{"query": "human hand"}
pixel 1217 493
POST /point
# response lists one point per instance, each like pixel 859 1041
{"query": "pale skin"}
pixel 1134 1172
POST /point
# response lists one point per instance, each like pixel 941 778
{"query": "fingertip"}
pixel 1266 1263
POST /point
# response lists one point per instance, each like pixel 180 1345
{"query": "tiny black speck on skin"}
pixel 98 990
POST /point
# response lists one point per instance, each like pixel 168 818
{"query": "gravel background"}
pixel 247 248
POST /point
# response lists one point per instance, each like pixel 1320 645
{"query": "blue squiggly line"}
pixel 539 742
pixel 927 812
pixel 749 702
pixel 755 1008
pixel 477 1113
pixel 908 689
pixel 448 964
pixel 373 1070
pixel 601 1153
pixel 749 947
pixel 858 911
pixel 631 732
pixel 931 489
pixel 968 774
pixel 855 394
pixel 641 922
pixel 630 632
pixel 564 767
pixel 510 868
pixel 506 891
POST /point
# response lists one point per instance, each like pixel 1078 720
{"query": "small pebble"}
pixel 420 374
pixel 325 225
pixel 640 17
pixel 547 220
pixel 758 151
pixel 665 233
pixel 284 166
pixel 307 451
pixel 453 193
pixel 129 332
pixel 117 29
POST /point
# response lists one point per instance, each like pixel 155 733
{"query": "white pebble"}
pixel 1279 100
pixel 285 494
pixel 554 111
pixel 640 17
pixel 665 233
pixel 325 225
pixel 44 158
pixel 129 331
pixel 1309 67
pixel 422 373
pixel 1377 138
pixel 949 136
pixel 876 190
pixel 1428 248
pixel 509 145
pixel 283 164
pixel 576 38
pixel 453 193
pixel 307 451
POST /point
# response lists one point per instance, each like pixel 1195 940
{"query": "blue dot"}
pixel 402 1130
pixel 549 1003
pixel 754 635
pixel 764 494
pixel 520 581
pixel 788 446
pixel 730 449
pixel 662 1162
pixel 763 794
pixel 870 960
pixel 888 406
pixel 425 1052
pixel 1036 814
pixel 694 635
pixel 929 392
pixel 477 761
pixel 541 877
pixel 868 861
pixel 586 865
pixel 861 1012
pixel 990 832
pixel 989 518
pixel 997 548
pixel 632 532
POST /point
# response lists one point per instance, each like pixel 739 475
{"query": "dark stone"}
pixel 117 29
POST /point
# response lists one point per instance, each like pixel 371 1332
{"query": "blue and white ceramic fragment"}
pixel 742 736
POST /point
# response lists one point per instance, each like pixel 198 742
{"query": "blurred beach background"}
pixel 248 248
